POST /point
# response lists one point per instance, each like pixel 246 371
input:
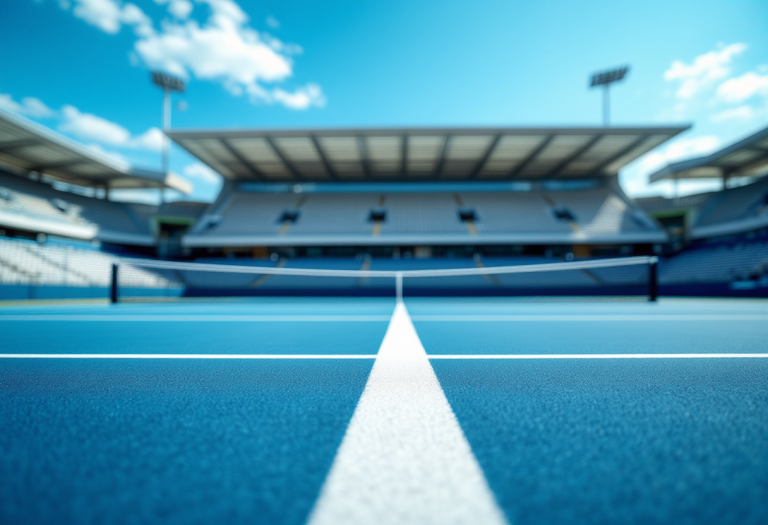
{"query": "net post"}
pixel 113 291
pixel 653 279
pixel 399 286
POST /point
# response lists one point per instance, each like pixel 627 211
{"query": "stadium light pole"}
pixel 168 84
pixel 605 79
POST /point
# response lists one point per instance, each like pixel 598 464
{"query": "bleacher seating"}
pixel 597 211
pixel 722 263
pixel 37 199
pixel 736 204
pixel 28 262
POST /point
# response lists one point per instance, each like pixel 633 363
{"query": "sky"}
pixel 81 67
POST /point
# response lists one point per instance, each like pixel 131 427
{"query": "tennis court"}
pixel 476 410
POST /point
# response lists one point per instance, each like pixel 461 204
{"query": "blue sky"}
pixel 82 67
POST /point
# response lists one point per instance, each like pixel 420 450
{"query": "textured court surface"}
pixel 442 434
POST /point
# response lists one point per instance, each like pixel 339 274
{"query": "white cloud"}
pixel 704 71
pixel 178 8
pixel 738 113
pixel 29 106
pixel 272 22
pixel 302 98
pixel 110 15
pixel 152 140
pixel 111 155
pixel 634 178
pixel 91 127
pixel 225 49
pixel 202 172
pixel 87 126
pixel 746 86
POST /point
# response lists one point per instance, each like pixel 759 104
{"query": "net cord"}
pixel 399 276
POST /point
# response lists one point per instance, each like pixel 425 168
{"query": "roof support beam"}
pixel 554 172
pixel 321 152
pixel 291 168
pixel 364 159
pixel 487 155
pixel 242 160
pixel 517 170
pixel 57 165
pixel 404 160
pixel 753 164
pixel 441 162
pixel 17 144
pixel 621 153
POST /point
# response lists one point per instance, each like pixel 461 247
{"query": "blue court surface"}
pixel 291 411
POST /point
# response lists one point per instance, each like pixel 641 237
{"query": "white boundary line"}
pixel 187 356
pixel 586 318
pixel 200 318
pixel 597 356
pixel 373 356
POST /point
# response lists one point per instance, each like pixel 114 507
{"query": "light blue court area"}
pixel 591 327
pixel 235 412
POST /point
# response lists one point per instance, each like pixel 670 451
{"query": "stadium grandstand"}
pixel 51 185
pixel 384 200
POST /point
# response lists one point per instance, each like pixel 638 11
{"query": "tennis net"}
pixel 628 276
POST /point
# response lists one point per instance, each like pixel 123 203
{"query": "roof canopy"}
pixel 420 154
pixel 745 158
pixel 26 145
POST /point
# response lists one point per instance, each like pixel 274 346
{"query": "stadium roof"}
pixel 744 158
pixel 26 145
pixel 420 154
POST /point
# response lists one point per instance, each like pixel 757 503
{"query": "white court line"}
pixel 202 318
pixel 404 459
pixel 596 356
pixel 187 356
pixel 583 318
pixel 373 356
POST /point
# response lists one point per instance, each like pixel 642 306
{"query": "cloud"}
pixel 225 49
pixel 222 49
pixel 29 106
pixel 110 15
pixel 746 86
pixel 152 140
pixel 87 126
pixel 302 98
pixel 91 127
pixel 738 113
pixel 272 22
pixel 704 71
pixel 634 178
pixel 202 172
pixel 178 8
pixel 111 155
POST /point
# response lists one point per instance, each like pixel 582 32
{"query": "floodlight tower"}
pixel 605 79
pixel 168 84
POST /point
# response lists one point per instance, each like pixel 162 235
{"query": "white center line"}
pixel 404 459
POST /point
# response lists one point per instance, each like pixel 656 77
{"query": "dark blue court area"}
pixel 251 440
